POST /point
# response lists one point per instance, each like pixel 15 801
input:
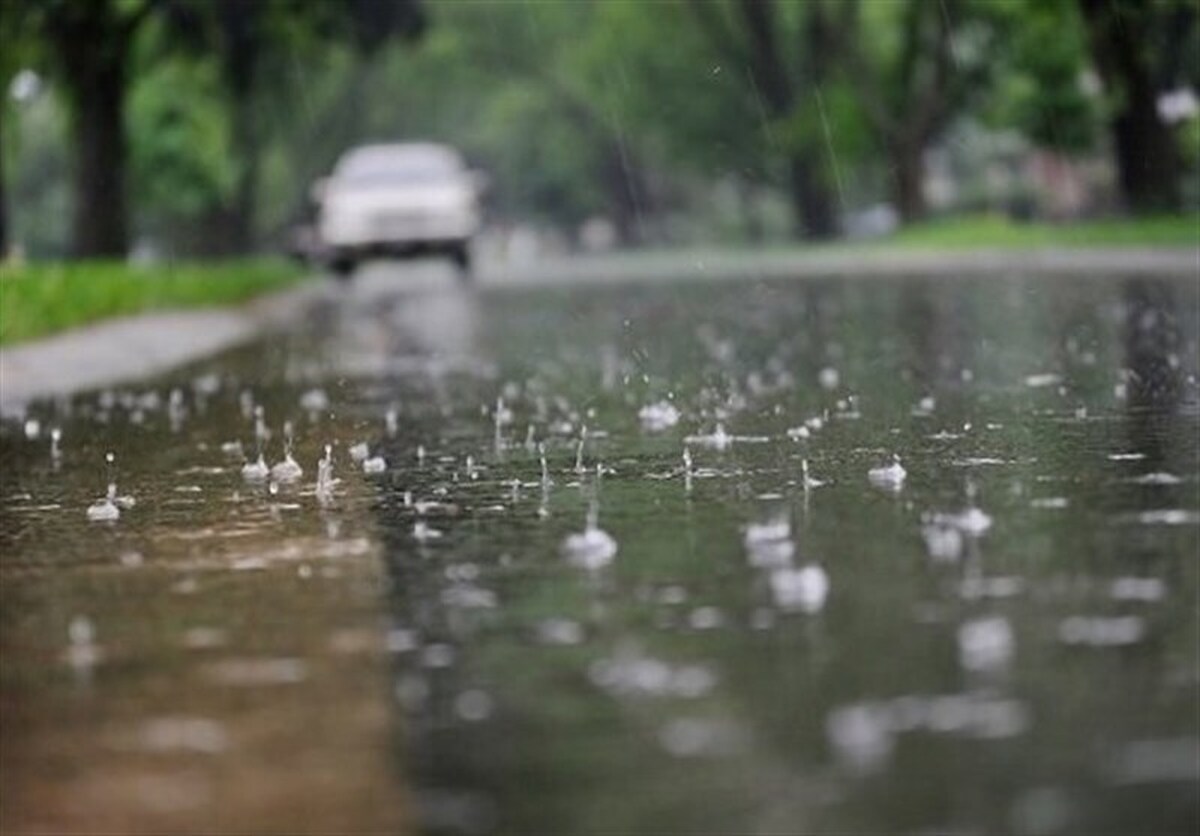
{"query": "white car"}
pixel 397 200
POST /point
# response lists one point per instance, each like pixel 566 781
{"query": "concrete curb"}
pixel 849 263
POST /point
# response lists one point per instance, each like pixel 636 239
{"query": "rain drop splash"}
pixel 541 448
pixel 1159 478
pixel 106 510
pixel 423 532
pixel 944 533
pixel 82 651
pixel 1043 380
pixel 583 434
pixel 1102 631
pixel 593 548
pixel 972 522
pixel 55 438
pixel 287 470
pixel 391 421
pixel 808 482
pixel 659 416
pixel 314 401
pixel 768 532
pixel 768 544
pixel 800 590
pixel 503 415
pixel 1138 589
pixel 374 464
pixel 629 673
pixel 890 478
pixel 985 644
pixel 687 469
pixel 561 631
pixel 718 439
pixel 943 541
pixel 325 480
pixel 176 411
pixel 501 418
pixel 860 736
pixel 257 470
pixel 863 735
pixel 359 452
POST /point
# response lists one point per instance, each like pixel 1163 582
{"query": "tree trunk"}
pixel 242 27
pixel 3 194
pixel 908 172
pixel 812 201
pixel 100 226
pixel 240 214
pixel 625 195
pixel 752 222
pixel 92 46
pixel 1147 163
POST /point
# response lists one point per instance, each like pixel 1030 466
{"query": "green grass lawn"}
pixel 41 298
pixel 998 231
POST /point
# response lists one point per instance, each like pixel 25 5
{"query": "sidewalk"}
pixel 138 346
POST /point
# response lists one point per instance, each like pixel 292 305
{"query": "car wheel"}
pixel 343 268
pixel 461 256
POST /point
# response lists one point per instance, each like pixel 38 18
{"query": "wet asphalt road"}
pixel 1006 640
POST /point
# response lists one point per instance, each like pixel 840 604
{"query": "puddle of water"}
pixel 1032 550
pixel 749 635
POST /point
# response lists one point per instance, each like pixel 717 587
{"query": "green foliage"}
pixel 182 164
pixel 687 99
pixel 43 298
pixel 1042 91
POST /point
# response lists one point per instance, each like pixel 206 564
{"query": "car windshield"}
pixel 389 167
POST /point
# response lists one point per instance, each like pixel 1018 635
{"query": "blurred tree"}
pixel 15 52
pixel 254 44
pixel 787 58
pixel 1126 39
pixel 91 50
pixel 517 93
pixel 685 107
pixel 183 168
pixel 1041 89
pixel 915 67
pixel 90 43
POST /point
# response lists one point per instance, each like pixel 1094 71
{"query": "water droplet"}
pixel 890 478
pixel 473 706
pixel 985 644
